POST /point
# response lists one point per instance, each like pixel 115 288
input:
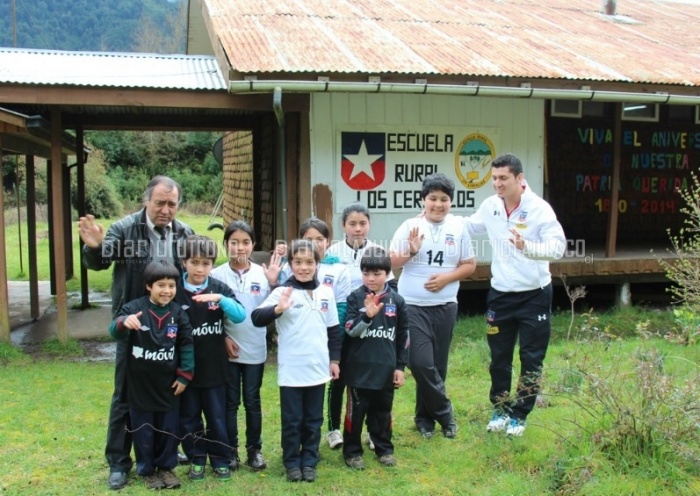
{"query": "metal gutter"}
pixel 282 149
pixel 255 86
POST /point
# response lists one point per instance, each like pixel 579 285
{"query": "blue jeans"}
pixel 247 379
pixel 199 442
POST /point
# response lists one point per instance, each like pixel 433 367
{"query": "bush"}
pixel 101 199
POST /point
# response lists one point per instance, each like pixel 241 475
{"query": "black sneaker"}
pixel 450 431
pixel 196 472
pixel 308 474
pixel 255 460
pixel 235 461
pixel 294 474
pixel 426 433
pixel 117 480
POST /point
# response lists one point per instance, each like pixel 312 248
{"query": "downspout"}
pixel 282 150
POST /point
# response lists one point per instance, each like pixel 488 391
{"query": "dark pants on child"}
pixel 198 442
pixel 155 440
pixel 118 448
pixel 430 331
pixel 512 317
pixel 335 395
pixel 302 417
pixel 245 379
pixel 374 405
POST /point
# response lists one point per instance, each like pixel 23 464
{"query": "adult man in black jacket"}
pixel 131 244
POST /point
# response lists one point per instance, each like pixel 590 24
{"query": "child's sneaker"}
pixel 335 439
pixel 170 480
pixel 355 462
pixel 499 422
pixel 387 460
pixel 153 481
pixel 196 472
pixel 308 474
pixel 222 473
pixel 294 474
pixel 516 427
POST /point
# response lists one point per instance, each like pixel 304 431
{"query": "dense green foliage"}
pixel 94 25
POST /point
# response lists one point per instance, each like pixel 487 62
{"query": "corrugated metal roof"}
pixel 648 41
pixel 123 70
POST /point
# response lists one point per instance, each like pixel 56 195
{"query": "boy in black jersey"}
pixel 207 302
pixel 374 356
pixel 160 366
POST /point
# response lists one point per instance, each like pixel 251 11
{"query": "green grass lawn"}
pixel 97 280
pixel 54 412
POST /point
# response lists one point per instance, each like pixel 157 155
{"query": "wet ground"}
pixel 88 327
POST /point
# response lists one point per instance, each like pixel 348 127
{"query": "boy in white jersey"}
pixel 525 235
pixel 246 344
pixel 435 252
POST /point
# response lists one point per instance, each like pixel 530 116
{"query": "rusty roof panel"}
pixel 654 41
pixel 124 70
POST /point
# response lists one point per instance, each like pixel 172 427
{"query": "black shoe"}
pixel 117 480
pixel 182 458
pixel 309 474
pixel 256 460
pixel 426 433
pixel 450 430
pixel 294 474
pixel 235 461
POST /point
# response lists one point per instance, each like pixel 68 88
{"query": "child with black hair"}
pixel 246 344
pixel 306 318
pixel 375 354
pixel 436 254
pixel 159 368
pixel 208 303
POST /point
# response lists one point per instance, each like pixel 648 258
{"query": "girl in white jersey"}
pixel 435 252
pixel 355 221
pixel 334 274
pixel 246 344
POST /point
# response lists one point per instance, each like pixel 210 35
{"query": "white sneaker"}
pixel 368 440
pixel 499 422
pixel 515 428
pixel 335 439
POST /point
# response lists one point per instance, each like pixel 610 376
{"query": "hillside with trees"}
pixel 157 26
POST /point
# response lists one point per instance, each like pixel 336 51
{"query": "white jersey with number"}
pixel 445 246
pixel 351 257
pixel 251 288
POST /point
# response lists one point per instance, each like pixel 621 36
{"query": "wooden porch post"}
pixel 611 242
pixel 59 254
pixel 4 300
pixel 31 237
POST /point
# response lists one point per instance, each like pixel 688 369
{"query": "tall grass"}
pixel 53 417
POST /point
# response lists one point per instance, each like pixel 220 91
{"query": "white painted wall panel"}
pixel 513 125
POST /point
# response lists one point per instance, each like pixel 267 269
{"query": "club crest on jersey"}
pixel 328 280
pixel 450 239
pixel 213 305
pixel 390 310
pixel 490 316
pixel 522 217
pixel 171 331
pixel 255 288
pixel 324 305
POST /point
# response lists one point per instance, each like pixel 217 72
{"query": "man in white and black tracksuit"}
pixel 525 235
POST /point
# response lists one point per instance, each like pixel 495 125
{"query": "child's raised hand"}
pixel 208 298
pixel 272 271
pixel 415 240
pixel 372 305
pixel 285 302
pixel 132 321
pixel 178 387
pixel 281 250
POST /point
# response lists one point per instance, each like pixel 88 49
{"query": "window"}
pixel 566 108
pixel 640 112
